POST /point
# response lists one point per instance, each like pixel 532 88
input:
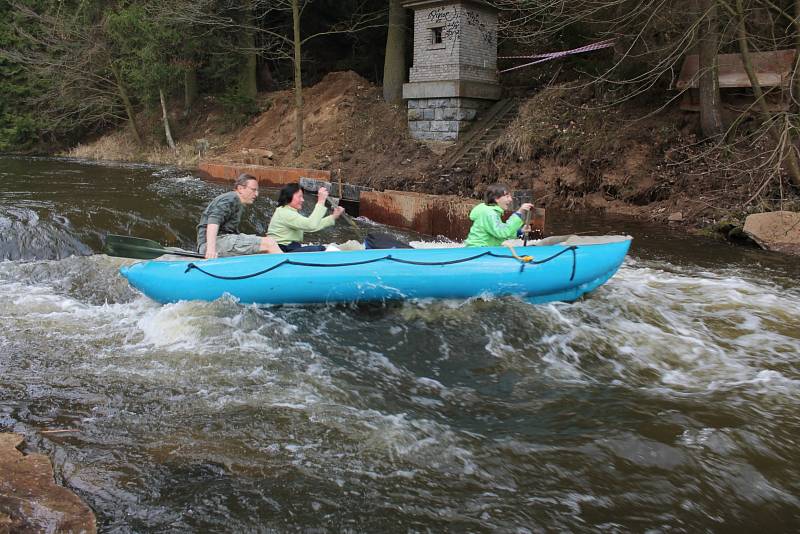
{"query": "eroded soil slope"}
pixel 348 129
pixel 637 158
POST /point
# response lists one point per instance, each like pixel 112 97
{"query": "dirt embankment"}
pixel 631 159
pixel 573 152
pixel 348 129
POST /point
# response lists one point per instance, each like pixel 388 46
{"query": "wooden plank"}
pixel 772 69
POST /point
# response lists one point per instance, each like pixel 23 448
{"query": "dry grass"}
pixel 558 122
pixel 535 127
pixel 118 146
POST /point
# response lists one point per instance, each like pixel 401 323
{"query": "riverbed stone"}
pixel 775 230
pixel 30 500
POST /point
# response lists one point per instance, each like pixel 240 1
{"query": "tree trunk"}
pixel 788 154
pixel 298 82
pixel 394 62
pixel 127 103
pixel 708 44
pixel 189 89
pixel 795 89
pixel 248 75
pixel 167 130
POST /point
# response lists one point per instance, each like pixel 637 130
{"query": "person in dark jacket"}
pixel 218 231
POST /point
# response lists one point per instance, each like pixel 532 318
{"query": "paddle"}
pixel 347 218
pixel 537 226
pixel 123 246
pixel 535 229
pixel 312 186
pixel 526 228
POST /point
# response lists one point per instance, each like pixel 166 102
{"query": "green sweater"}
pixel 288 225
pixel 488 230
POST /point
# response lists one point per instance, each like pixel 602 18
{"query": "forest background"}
pixel 172 82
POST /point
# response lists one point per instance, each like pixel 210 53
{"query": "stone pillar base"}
pixel 439 111
pixel 442 119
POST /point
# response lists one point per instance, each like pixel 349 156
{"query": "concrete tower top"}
pixel 453 78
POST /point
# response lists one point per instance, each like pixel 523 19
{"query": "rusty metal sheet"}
pixel 427 214
pixel 267 176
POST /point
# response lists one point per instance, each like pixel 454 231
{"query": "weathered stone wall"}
pixel 433 61
pixel 478 54
pixel 441 119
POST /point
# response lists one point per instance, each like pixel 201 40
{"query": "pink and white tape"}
pixel 541 58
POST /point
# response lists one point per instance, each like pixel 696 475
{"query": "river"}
pixel 666 401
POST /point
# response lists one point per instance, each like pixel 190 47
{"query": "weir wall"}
pixel 434 215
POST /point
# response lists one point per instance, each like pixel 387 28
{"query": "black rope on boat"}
pixel 387 257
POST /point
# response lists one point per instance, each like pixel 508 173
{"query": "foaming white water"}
pixel 171 182
pixel 652 328
pixel 37 305
pixel 690 331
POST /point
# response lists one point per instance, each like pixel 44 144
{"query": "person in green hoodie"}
pixel 287 227
pixel 488 229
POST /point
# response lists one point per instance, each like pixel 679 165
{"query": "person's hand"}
pixel 337 212
pixel 526 229
pixel 526 206
pixel 211 253
pixel 322 195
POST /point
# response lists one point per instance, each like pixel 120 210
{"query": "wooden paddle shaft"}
pixel 312 186
pixel 526 228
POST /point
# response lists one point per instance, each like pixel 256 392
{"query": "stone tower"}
pixel 454 73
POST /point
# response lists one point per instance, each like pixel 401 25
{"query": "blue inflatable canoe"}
pixel 563 271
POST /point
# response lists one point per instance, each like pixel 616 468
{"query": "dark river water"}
pixel 666 401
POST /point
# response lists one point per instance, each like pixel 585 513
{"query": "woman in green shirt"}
pixel 287 226
pixel 488 229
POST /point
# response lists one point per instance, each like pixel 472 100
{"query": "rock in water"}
pixel 30 500
pixel 775 230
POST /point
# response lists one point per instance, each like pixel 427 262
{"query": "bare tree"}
pixel 359 20
pixel 708 66
pixel 277 40
pixel 298 79
pixel 796 72
pixel 165 119
pixel 781 131
pixel 653 37
pixel 248 86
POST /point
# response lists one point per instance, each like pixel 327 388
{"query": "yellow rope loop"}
pixel 523 259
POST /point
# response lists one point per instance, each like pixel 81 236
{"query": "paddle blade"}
pixel 381 240
pixel 141 249
pixel 537 224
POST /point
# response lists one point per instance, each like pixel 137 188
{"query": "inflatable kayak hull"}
pixel 556 272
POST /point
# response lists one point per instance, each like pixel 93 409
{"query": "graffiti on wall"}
pixel 452 19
